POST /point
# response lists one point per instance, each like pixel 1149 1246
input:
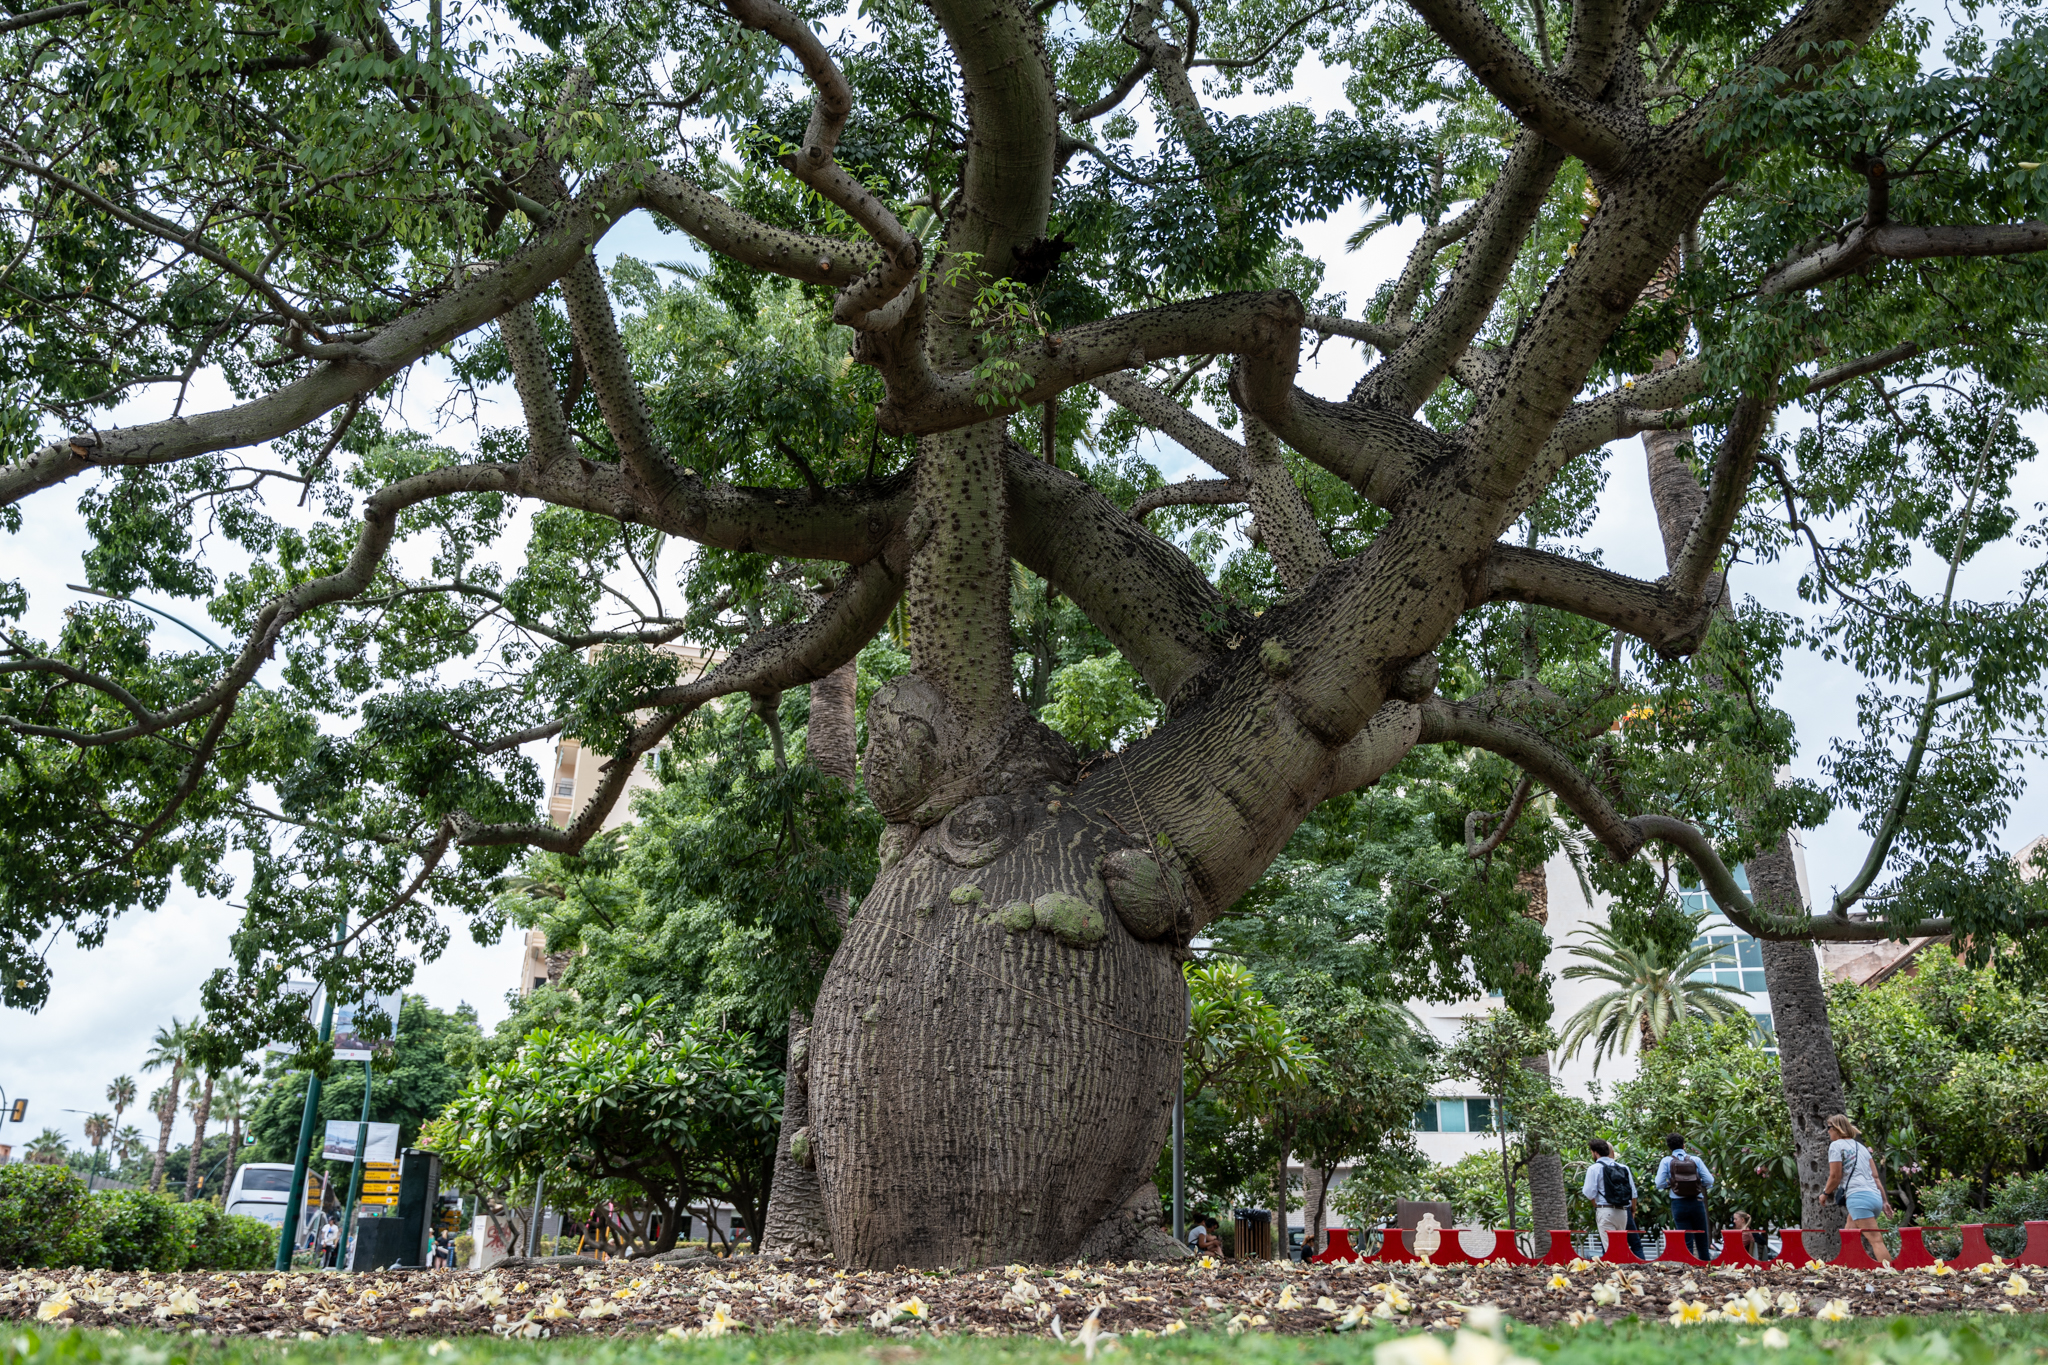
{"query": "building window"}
pixel 1739 961
pixel 1765 1030
pixel 565 789
pixel 1463 1115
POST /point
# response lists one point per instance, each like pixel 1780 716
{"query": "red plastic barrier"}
pixel 1451 1250
pixel 1507 1248
pixel 1618 1252
pixel 1675 1249
pixel 1393 1248
pixel 1855 1253
pixel 1561 1252
pixel 1339 1249
pixel 1792 1246
pixel 1976 1251
pixel 2036 1250
pixel 1913 1253
pixel 1735 1250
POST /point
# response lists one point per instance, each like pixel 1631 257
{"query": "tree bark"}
pixel 1807 1066
pixel 795 1224
pixel 1280 1208
pixel 166 1116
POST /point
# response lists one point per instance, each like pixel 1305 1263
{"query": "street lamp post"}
pixel 289 1233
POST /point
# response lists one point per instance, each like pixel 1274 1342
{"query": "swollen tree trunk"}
pixel 1279 1251
pixel 1807 1066
pixel 795 1222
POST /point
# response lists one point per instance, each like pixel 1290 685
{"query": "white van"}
pixel 262 1189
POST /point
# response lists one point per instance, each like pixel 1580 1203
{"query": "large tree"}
pixel 307 202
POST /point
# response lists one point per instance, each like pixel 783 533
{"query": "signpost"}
pixel 288 1235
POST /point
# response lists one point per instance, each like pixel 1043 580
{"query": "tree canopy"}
pixel 950 260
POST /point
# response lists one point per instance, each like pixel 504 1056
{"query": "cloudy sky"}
pixel 105 1004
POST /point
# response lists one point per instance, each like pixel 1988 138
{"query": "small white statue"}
pixel 1429 1235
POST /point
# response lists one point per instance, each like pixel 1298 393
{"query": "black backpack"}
pixel 1615 1185
pixel 1685 1178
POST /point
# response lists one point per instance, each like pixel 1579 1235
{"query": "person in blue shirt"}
pixel 1686 1179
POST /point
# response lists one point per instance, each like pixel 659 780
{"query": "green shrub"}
pixel 138 1230
pixel 43 1217
pixel 48 1219
pixel 213 1240
pixel 2018 1200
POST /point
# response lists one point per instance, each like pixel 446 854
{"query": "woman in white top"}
pixel 1853 1170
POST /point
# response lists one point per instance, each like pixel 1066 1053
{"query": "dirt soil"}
pixel 715 1297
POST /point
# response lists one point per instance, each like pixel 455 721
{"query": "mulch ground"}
pixel 713 1298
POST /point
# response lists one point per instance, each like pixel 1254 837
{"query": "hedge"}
pixel 48 1218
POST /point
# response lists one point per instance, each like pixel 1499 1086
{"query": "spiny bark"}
pixel 199 1113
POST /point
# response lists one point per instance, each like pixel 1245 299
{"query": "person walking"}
pixel 1612 1188
pixel 330 1243
pixel 1852 1170
pixel 1686 1179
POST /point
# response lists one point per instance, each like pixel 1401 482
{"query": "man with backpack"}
pixel 1686 1179
pixel 1612 1188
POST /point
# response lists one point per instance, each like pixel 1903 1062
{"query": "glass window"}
pixel 1753 982
pixel 1749 952
pixel 1479 1115
pixel 1451 1116
pixel 1425 1117
pixel 258 1180
pixel 1763 1026
pixel 1705 973
pixel 565 789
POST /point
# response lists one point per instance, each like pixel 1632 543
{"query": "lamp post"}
pixel 289 1233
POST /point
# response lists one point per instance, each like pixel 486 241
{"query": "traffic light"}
pixel 19 1112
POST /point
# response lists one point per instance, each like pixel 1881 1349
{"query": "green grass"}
pixel 1974 1340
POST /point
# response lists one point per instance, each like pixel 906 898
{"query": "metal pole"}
pixel 289 1233
pixel 355 1179
pixel 540 1184
pixel 1180 1158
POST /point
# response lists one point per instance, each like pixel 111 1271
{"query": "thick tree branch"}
pixel 1733 465
pixel 1190 493
pixel 1559 111
pixel 1866 245
pixel 1280 513
pixel 1159 610
pixel 1652 612
pixel 1421 266
pixel 1175 422
pixel 1115 95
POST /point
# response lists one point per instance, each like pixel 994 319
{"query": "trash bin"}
pixel 1254 1234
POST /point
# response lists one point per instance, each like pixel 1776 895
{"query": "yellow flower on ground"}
pixel 1741 1310
pixel 182 1303
pixel 417 1312
pixel 1208 1263
pixel 1073 1273
pixel 1579 1265
pixel 1287 1299
pixel 720 1322
pixel 1326 1304
pixel 557 1307
pixel 1941 1268
pixel 1560 1282
pixel 1392 1298
pixel 1775 1338
pixel 1173 1329
pixel 1353 1317
pixel 1578 1317
pixel 1788 1304
pixel 915 1308
pixel 1834 1310
pixel 1607 1295
pixel 489 1295
pixel 1815 1266
pixel 54 1307
pixel 599 1308
pixel 2018 1285
pixel 1684 1314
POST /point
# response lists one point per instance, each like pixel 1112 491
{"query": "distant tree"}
pixel 201 1104
pixel 680 1117
pixel 168 1048
pixel 47 1148
pixel 1653 988
pixel 97 1129
pixel 233 1095
pixel 120 1094
pixel 129 1146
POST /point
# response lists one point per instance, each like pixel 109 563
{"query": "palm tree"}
pixel 47 1148
pixel 233 1094
pixel 97 1127
pixel 128 1147
pixel 167 1049
pixel 120 1094
pixel 1652 992
pixel 202 1105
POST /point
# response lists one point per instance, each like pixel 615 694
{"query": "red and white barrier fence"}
pixel 1394 1248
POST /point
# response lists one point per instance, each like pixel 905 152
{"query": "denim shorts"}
pixel 1865 1204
